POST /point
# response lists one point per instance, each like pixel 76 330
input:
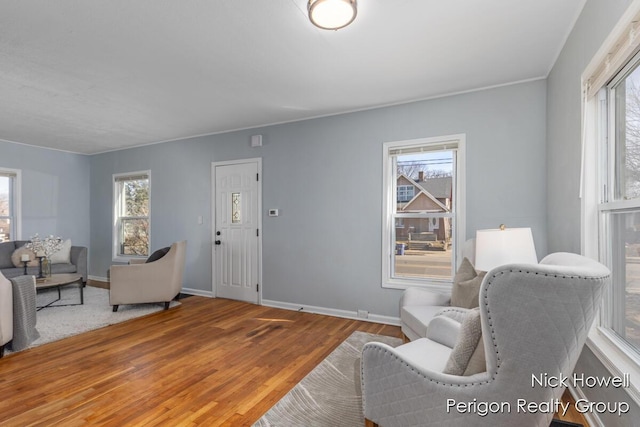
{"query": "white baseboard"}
pixel 198 292
pixel 591 417
pixel 189 291
pixel 374 318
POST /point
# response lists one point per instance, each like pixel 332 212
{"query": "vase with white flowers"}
pixel 44 248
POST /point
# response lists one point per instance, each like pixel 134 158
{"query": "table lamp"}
pixel 500 246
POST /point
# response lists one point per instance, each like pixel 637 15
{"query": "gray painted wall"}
pixel 564 120
pixel 563 160
pixel 325 247
pixel 55 191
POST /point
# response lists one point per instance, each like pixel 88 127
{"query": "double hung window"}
pixel 619 207
pixel 9 204
pixel 131 225
pixel 423 219
pixel 610 192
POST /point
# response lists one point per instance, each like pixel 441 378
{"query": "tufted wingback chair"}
pixel 535 320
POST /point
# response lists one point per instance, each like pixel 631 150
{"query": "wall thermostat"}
pixel 273 212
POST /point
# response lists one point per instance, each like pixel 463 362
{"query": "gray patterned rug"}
pixel 330 395
pixel 56 323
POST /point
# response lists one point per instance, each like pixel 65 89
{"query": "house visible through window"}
pixel 131 214
pixel 8 204
pixel 422 186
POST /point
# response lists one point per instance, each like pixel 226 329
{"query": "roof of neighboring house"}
pixel 422 193
pixel 440 188
pixel 424 202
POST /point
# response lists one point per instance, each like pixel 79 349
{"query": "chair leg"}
pixel 166 305
pixel 115 308
pixel 1 351
pixel 369 423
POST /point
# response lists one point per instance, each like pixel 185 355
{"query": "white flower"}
pixel 48 246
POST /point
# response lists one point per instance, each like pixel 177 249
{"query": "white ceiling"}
pixel 94 76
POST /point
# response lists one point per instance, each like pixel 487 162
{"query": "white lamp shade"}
pixel 498 247
pixel 332 14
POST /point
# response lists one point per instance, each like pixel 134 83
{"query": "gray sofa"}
pixel 78 261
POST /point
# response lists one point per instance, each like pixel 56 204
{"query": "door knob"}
pixel 218 242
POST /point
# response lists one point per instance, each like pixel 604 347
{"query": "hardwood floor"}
pixel 211 362
pixel 572 415
pixel 208 362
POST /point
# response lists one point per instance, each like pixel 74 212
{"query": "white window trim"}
pixel 389 202
pixel 615 355
pixel 116 257
pixel 17 200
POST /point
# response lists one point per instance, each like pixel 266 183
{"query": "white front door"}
pixel 236 230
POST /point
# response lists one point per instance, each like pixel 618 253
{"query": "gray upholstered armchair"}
pixel 534 321
pixel 157 281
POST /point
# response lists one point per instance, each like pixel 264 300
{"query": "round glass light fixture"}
pixel 332 14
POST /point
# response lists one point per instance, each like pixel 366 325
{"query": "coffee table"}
pixel 58 281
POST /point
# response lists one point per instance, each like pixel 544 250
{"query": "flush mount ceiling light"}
pixel 332 14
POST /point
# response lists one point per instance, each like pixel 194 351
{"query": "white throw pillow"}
pixel 16 257
pixel 63 256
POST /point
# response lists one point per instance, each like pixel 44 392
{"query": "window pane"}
pixel 625 229
pixel 5 208
pixel 133 219
pixel 423 248
pixel 4 196
pixel 135 237
pixel 424 185
pixel 235 208
pixel 424 182
pixel 5 229
pixel 627 136
pixel 136 197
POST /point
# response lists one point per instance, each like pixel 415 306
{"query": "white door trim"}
pixel 258 161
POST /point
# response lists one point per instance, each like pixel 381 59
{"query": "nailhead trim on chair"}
pixel 580 302
pixel 420 373
pixel 537 273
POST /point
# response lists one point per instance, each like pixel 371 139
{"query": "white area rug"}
pixel 330 395
pixel 56 323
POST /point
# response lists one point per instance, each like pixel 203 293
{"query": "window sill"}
pixel 615 360
pixel 126 259
pixel 437 286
